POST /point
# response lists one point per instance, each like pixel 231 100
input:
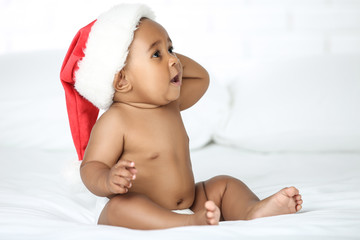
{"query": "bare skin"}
pixel 138 153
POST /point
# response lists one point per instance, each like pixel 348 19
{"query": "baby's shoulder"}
pixel 110 120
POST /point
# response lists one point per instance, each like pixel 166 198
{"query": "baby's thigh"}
pixel 123 207
pixel 212 189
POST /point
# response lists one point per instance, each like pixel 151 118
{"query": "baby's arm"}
pixel 100 170
pixel 195 82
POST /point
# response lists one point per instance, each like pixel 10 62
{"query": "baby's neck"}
pixel 137 105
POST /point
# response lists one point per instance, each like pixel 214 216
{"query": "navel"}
pixel 180 201
pixel 154 155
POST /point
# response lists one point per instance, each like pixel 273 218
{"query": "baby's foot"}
pixel 210 215
pixel 287 200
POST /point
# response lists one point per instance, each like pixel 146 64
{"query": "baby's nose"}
pixel 173 61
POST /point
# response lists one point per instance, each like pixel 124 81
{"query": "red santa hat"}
pixel 97 53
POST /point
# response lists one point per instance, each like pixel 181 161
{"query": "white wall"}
pixel 222 30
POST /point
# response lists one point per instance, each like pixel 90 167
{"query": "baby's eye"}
pixel 156 54
pixel 171 50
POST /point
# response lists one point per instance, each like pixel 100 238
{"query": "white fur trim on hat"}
pixel 106 52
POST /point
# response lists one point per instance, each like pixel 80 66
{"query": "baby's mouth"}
pixel 176 80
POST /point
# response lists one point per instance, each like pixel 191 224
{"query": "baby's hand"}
pixel 120 176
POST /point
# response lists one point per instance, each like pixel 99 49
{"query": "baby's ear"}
pixel 121 84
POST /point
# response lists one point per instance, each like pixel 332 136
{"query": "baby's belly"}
pixel 168 183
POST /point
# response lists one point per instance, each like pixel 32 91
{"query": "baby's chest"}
pixel 158 134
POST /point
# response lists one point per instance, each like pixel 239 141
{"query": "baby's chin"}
pixel 173 98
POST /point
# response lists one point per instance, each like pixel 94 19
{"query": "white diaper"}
pixel 183 211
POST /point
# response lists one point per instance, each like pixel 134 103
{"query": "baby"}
pixel 138 152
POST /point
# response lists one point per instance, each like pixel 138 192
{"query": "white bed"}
pixel 317 150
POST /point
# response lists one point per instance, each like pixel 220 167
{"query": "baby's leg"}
pixel 286 201
pixel 139 212
pixel 237 202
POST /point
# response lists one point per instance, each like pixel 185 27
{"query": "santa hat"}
pixel 97 53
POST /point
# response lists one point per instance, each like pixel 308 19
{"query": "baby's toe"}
pixel 213 221
pixel 298 207
pixel 210 214
pixel 210 206
pixel 292 191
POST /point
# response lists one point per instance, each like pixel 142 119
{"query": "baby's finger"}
pixel 120 181
pixel 119 189
pixel 132 170
pixel 124 163
pixel 122 172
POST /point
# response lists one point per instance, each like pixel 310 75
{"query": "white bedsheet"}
pixel 41 196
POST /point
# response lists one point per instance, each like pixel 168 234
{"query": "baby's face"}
pixel 152 67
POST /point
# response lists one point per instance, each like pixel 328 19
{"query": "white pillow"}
pixel 202 120
pixel 304 104
pixel 32 101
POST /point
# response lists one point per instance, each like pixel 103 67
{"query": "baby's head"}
pixel 152 74
pixel 97 53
